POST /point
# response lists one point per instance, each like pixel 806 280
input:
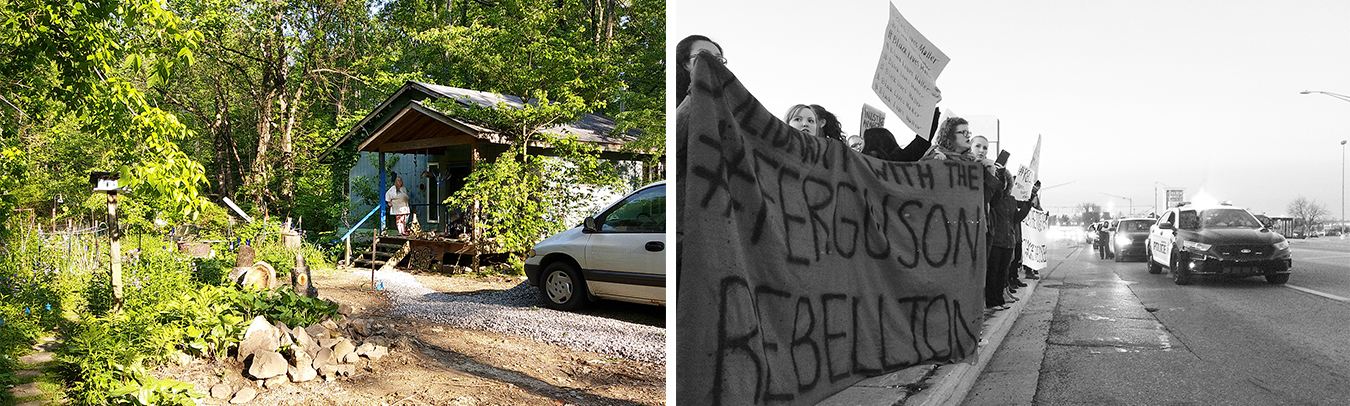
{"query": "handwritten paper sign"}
pixel 906 75
pixel 804 267
pixel 871 118
pixel 1034 239
pixel 1027 175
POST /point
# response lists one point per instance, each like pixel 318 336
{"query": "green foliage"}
pixel 525 198
pixel 68 60
pixel 283 305
pixel 149 391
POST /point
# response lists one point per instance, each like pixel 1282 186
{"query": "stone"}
pixel 329 371
pixel 377 353
pixel 266 365
pixel 322 357
pixel 261 336
pixel 365 349
pixel 302 337
pixel 344 309
pixel 360 327
pixel 330 324
pixel 181 358
pixel 329 342
pixel 301 373
pixel 351 358
pixel 221 391
pixel 244 395
pixel 342 349
pixel 317 331
pixel 274 382
pixel 346 370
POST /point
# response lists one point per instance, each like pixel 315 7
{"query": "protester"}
pixel 684 57
pixel 952 142
pixel 829 124
pixel 880 143
pixel 856 143
pixel 397 198
pixel 803 119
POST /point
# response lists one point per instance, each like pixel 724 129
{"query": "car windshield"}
pixel 1134 225
pixel 1228 218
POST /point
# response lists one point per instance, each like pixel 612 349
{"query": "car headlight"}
pixel 1196 246
pixel 1122 240
pixel 1282 245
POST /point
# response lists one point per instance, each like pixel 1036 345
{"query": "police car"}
pixel 1221 240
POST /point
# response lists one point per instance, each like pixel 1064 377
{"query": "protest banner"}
pixel 1034 239
pixel 871 118
pixel 804 267
pixel 1027 175
pixel 906 75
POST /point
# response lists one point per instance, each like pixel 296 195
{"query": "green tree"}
pixel 87 61
pixel 520 198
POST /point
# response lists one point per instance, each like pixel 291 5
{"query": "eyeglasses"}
pixel 964 132
pixel 719 57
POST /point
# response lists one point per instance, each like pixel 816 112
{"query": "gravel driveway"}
pixel 517 311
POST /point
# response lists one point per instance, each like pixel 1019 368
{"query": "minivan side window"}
pixel 643 212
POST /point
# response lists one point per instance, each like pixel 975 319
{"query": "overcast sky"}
pixel 1196 94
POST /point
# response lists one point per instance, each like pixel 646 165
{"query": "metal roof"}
pixel 404 124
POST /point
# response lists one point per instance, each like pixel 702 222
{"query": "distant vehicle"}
pixel 1216 240
pixel 618 254
pixel 1128 239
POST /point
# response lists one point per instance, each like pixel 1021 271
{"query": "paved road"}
pixel 1102 332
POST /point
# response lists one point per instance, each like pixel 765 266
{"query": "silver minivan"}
pixel 618 254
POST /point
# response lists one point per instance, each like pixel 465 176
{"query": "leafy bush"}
pixel 283 305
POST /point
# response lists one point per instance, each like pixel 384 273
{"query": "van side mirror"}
pixel 588 225
pixel 1166 225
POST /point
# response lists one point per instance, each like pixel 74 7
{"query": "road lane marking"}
pixel 1322 294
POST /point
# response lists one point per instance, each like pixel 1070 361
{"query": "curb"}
pixel 952 382
pixel 945 384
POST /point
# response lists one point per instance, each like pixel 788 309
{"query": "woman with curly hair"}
pixel 951 142
pixel 829 124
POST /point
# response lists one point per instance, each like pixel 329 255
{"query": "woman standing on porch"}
pixel 397 197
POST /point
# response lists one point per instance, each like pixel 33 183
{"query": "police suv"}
pixel 1216 240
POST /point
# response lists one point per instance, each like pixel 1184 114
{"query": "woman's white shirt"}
pixel 398 200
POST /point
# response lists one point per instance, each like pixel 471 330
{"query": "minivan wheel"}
pixel 563 287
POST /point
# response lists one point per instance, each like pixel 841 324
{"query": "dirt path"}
pixel 430 364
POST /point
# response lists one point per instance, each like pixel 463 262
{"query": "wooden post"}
pixel 349 251
pixel 475 236
pixel 384 208
pixel 115 233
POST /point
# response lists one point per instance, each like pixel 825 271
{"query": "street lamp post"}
pixel 1344 98
pixel 1131 201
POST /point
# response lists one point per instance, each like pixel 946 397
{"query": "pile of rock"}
pixel 275 354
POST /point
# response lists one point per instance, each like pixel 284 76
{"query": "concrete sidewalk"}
pixel 929 385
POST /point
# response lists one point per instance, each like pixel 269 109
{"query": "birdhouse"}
pixel 105 182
